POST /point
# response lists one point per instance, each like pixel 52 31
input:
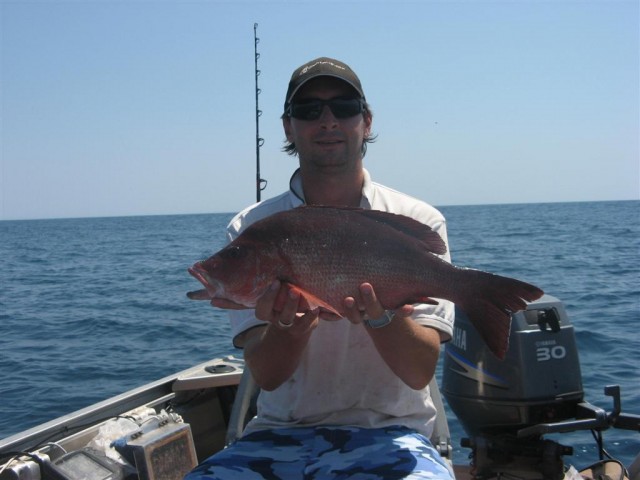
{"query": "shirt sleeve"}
pixel 241 321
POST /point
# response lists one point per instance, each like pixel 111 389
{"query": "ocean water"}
pixel 90 308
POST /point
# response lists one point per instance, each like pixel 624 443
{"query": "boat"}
pixel 161 430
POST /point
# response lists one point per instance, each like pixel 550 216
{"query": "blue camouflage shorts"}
pixel 326 453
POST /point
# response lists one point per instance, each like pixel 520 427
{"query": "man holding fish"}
pixel 344 388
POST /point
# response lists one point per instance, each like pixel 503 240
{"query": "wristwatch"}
pixel 380 322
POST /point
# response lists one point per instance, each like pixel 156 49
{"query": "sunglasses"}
pixel 312 109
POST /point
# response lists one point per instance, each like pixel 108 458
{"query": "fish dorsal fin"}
pixel 410 227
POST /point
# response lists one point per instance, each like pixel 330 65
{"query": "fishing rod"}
pixel 261 183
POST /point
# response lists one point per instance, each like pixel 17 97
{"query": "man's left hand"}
pixel 368 306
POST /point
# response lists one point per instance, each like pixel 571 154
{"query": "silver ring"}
pixel 281 324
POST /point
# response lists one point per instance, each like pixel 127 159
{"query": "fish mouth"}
pixel 212 287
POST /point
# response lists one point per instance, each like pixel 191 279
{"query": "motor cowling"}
pixel 539 380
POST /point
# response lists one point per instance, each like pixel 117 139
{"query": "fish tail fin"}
pixel 489 302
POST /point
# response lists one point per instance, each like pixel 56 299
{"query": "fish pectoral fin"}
pixel 308 301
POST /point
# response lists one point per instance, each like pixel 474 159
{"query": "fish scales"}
pixel 337 260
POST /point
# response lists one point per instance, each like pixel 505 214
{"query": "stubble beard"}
pixel 341 160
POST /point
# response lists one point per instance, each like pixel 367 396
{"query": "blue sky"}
pixel 147 107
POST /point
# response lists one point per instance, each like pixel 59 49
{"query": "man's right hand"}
pixel 280 306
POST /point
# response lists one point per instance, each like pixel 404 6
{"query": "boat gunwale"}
pixel 157 392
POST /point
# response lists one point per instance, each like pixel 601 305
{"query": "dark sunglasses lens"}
pixel 345 108
pixel 341 108
pixel 306 111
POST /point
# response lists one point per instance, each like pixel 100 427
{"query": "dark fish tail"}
pixel 489 300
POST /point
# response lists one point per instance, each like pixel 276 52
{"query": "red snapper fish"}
pixel 326 253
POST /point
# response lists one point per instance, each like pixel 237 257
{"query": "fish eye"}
pixel 232 253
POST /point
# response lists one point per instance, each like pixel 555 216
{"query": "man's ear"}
pixel 368 121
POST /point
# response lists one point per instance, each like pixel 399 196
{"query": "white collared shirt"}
pixel 341 379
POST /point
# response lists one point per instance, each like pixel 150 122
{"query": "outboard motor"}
pixel 538 382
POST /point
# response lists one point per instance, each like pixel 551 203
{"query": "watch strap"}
pixel 380 322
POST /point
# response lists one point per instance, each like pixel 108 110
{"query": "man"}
pixel 341 398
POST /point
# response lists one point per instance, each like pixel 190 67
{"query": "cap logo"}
pixel 309 67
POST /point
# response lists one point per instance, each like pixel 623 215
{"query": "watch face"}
pixel 380 322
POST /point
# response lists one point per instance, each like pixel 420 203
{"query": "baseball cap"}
pixel 321 67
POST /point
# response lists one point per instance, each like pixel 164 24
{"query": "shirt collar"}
pixel 367 191
pixel 295 187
